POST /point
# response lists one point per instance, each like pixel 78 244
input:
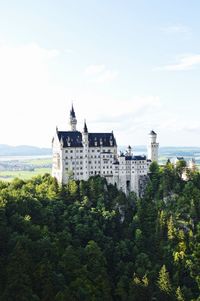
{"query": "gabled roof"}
pixel 137 158
pixel 74 139
pixel 101 139
pixel 70 139
pixel 180 158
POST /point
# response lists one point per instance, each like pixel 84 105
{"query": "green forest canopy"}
pixel 88 241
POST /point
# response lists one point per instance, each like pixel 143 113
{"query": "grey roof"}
pixel 152 133
pixel 137 158
pixel 70 139
pixel 101 139
pixel 180 158
pixel 74 139
pixel 85 129
pixel 72 112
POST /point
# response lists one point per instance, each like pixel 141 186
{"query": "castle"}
pixel 80 155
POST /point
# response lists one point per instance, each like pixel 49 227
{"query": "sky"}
pixel 128 66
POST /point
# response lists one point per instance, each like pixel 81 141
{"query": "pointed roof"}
pixel 152 133
pixel 95 139
pixel 85 129
pixel 72 112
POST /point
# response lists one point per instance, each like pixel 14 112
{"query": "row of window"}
pixel 89 162
pixel 128 167
pixel 77 168
pixel 125 172
pixel 81 157
pixel 89 150
pixel 71 151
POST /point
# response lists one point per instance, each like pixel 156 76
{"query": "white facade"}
pixel 82 155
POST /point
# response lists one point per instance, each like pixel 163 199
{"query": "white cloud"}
pixel 32 103
pixel 94 69
pixel 26 93
pixel 100 74
pixel 186 62
pixel 68 51
pixel 131 119
pixel 175 29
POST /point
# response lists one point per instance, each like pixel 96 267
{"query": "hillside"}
pixel 87 241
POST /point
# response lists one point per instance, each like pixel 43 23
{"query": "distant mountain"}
pixel 168 151
pixel 23 150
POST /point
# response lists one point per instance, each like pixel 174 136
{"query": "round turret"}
pixel 153 147
pixel 153 136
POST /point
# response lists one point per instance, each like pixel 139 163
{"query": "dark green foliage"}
pixel 87 241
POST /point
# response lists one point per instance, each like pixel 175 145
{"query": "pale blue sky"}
pixel 130 66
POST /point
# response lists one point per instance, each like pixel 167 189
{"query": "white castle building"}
pixel 80 155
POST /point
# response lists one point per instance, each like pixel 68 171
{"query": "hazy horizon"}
pixel 122 146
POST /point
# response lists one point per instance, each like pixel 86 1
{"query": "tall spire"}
pixel 85 129
pixel 73 120
pixel 72 112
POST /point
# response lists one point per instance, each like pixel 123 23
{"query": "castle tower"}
pixel 85 151
pixel 129 151
pixel 152 147
pixel 192 165
pixel 73 120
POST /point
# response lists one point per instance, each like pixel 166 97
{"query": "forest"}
pixel 87 241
